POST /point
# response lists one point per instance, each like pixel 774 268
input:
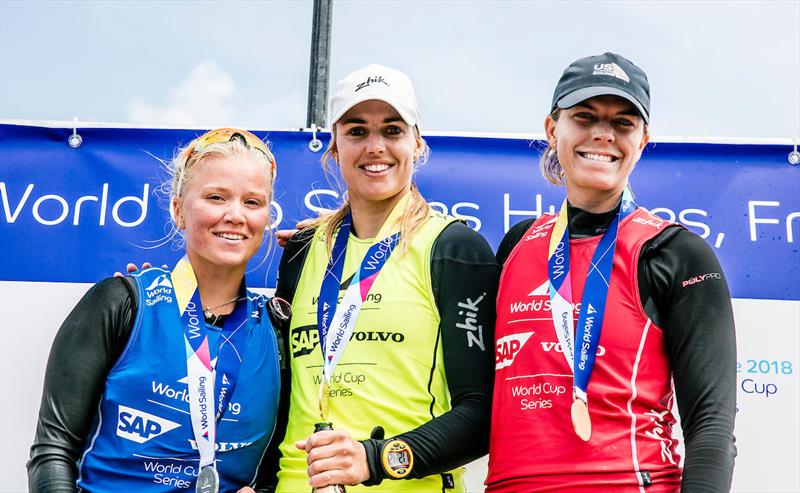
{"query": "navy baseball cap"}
pixel 602 75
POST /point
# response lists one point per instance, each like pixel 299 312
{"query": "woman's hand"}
pixel 131 268
pixel 284 235
pixel 246 489
pixel 334 458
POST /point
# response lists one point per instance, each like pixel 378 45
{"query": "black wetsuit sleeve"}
pixel 289 270
pixel 267 475
pixel 511 239
pixel 464 276
pixel 85 348
pixel 680 275
pixel 291 266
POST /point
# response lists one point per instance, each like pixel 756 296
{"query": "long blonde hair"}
pixel 413 218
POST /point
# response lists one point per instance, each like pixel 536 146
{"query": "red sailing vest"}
pixel 533 446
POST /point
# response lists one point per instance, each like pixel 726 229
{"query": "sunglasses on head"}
pixel 227 135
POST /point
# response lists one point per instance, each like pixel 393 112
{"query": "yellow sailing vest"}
pixel 391 373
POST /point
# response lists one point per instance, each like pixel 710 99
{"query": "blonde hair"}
pixel 413 218
pixel 184 165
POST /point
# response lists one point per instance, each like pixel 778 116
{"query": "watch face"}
pixel 398 460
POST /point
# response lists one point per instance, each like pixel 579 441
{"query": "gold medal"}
pixel 581 421
pixel 324 399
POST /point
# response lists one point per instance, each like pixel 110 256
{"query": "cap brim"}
pixel 367 97
pixel 580 95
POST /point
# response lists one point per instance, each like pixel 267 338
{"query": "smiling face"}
pixel 376 151
pixel 598 142
pixel 224 210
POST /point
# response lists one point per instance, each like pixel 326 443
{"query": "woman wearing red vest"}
pixel 606 314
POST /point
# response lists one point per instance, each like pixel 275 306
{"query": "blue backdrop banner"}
pixel 77 215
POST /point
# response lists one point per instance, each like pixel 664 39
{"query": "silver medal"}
pixel 207 480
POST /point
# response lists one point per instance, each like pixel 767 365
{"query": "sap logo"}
pixel 306 338
pixel 550 346
pixel 508 347
pixel 57 208
pixel 610 69
pixel 139 426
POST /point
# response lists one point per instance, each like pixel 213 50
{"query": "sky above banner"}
pixel 717 68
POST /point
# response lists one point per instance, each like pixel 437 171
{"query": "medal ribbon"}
pixel 335 325
pixel 204 360
pixel 595 292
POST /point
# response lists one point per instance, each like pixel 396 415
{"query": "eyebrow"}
pixel 629 111
pixel 361 121
pixel 222 188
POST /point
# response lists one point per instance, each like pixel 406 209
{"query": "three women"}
pixel 379 287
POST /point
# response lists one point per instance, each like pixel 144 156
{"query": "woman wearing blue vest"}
pixel 169 380
pixel 393 314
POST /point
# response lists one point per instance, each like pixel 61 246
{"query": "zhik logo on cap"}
pixel 378 79
pixel 375 82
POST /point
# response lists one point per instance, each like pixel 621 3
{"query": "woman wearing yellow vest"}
pixel 393 314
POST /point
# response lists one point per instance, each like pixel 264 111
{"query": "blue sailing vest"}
pixel 142 439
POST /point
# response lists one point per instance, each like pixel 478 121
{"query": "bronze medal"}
pixel 581 422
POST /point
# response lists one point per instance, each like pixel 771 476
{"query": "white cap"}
pixel 376 82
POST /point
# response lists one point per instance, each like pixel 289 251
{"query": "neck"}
pixel 583 224
pixel 369 216
pixel 217 284
pixel 592 201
